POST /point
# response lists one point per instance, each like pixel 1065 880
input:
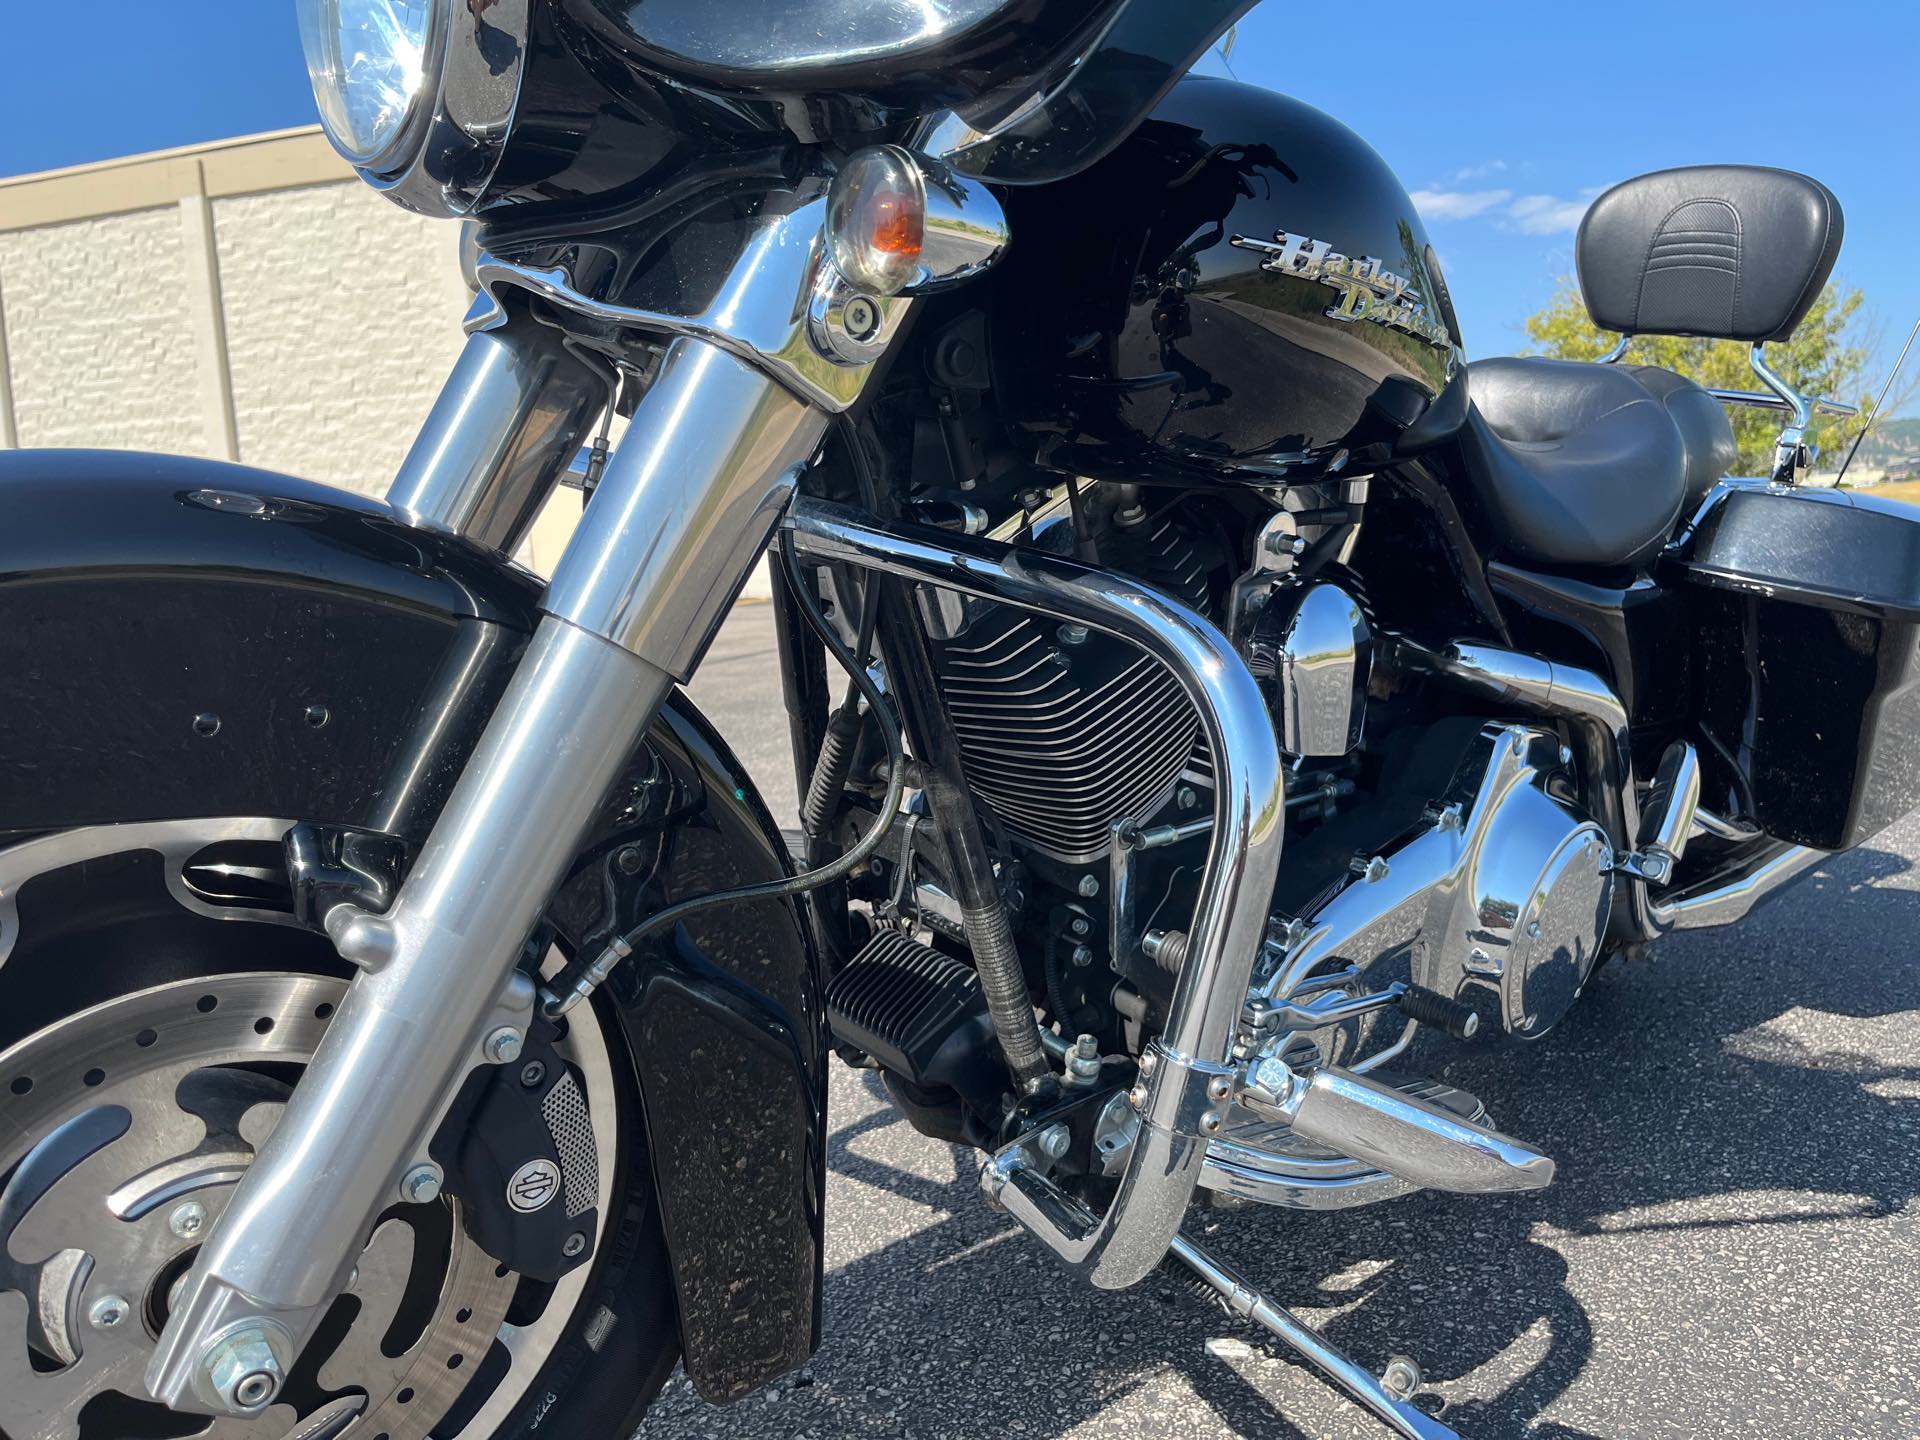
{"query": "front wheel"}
pixel 146 1050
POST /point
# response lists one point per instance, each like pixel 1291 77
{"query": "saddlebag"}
pixel 1807 657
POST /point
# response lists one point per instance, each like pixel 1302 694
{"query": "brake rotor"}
pixel 124 1131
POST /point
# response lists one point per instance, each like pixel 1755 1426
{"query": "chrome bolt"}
pixel 1089 886
pixel 1082 955
pixel 628 860
pixel 862 317
pixel 1072 634
pixel 1372 868
pixel 1186 797
pixel 1566 758
pixel 107 1312
pixel 1137 1097
pixel 188 1220
pixel 574 1245
pixel 1274 1078
pixel 1218 1087
pixel 1081 925
pixel 1083 1061
pixel 243 1370
pixel 422 1184
pixel 1209 1122
pixel 1533 929
pixel 502 1047
pixel 1055 1141
pixel 1149 1062
pixel 1401 1377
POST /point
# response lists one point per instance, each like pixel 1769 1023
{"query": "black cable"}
pixel 896 779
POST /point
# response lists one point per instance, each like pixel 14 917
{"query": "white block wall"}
pixel 100 341
pixel 343 318
pixel 338 314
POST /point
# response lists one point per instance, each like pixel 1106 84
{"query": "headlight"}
pixel 419 95
pixel 369 63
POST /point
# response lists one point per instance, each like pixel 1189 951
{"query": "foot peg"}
pixel 1379 1396
pixel 1404 1136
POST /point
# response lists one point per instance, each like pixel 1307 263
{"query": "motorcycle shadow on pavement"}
pixel 1757 1077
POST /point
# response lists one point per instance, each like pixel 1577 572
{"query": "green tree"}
pixel 1826 358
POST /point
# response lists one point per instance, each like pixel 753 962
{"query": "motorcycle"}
pixel 413 1021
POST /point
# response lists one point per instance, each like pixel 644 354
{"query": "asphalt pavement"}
pixel 1730 1249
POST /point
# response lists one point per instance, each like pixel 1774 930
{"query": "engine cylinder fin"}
pixel 1060 746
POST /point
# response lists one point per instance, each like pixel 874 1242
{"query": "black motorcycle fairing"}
pixel 180 638
pixel 613 129
pixel 1000 48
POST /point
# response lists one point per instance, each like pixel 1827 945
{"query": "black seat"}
pixel 1576 464
pixel 1705 430
pixel 1590 464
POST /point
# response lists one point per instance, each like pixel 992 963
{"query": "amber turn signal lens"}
pixel 877 219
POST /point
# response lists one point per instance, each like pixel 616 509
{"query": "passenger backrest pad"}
pixel 1735 252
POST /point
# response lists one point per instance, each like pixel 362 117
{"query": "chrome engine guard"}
pixel 1186 1073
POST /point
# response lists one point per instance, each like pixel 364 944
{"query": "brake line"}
pixel 578 982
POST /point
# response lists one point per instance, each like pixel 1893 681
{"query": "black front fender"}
pixel 180 638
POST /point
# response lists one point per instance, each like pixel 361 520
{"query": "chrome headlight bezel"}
pixel 441 158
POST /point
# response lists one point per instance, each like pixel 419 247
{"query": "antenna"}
pixel 1874 415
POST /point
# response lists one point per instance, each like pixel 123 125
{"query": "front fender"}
pixel 180 638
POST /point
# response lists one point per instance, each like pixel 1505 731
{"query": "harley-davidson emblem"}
pixel 1367 289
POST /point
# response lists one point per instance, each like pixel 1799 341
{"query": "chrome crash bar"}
pixel 1185 1074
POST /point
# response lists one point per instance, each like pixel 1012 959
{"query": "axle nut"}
pixel 244 1368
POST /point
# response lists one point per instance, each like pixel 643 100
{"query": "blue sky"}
pixel 1504 118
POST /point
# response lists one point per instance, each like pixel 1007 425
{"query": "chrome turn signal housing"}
pixel 901 224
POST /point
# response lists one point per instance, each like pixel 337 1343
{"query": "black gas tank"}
pixel 1243 291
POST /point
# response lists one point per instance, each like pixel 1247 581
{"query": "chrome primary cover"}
pixel 1506 890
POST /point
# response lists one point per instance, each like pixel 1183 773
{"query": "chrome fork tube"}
pixel 507 424
pixel 684 508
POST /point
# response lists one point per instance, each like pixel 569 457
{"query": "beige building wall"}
pixel 248 299
pixel 99 338
pixel 342 318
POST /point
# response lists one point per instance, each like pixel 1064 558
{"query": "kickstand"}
pixel 1243 1300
